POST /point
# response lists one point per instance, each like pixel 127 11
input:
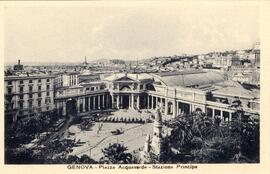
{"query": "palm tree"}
pixel 246 132
pixel 73 159
pixel 85 159
pixel 115 154
pixel 181 133
pixel 240 128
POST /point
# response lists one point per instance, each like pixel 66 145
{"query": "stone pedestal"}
pixel 157 139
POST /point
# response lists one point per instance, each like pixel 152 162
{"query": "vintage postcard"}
pixel 135 87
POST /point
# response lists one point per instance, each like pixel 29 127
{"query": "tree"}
pixel 247 134
pixel 19 156
pixel 116 154
pixel 181 133
pixel 197 138
pixel 85 159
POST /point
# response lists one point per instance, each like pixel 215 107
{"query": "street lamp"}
pixel 90 148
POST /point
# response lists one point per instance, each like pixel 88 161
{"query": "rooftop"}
pixel 232 88
pixel 163 74
pixel 28 76
pixel 135 77
pixel 189 78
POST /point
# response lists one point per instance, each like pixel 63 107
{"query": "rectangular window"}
pixel 92 88
pixel 9 82
pixel 21 105
pixel 21 97
pixel 39 88
pixel 48 80
pixel 21 81
pixel 30 81
pixel 48 101
pixel 30 95
pixel 39 94
pixel 48 87
pixel 39 103
pixel 21 89
pixel 9 90
pixel 30 89
pixel 30 104
pixel 47 93
pixel 39 80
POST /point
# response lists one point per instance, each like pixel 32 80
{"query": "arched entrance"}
pixel 71 106
pixel 125 103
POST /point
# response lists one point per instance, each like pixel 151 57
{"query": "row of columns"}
pixel 132 97
pixel 154 101
pixel 169 106
pixel 221 114
pixel 97 102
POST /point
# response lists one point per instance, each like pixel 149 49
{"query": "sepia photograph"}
pixel 131 84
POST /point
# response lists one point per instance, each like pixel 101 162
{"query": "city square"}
pixel 132 85
pixel 133 136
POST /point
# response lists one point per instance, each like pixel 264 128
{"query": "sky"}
pixel 68 34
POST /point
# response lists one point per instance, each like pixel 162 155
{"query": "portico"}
pixel 127 100
pixel 133 91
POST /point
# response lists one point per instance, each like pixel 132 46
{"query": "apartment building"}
pixel 64 79
pixel 28 94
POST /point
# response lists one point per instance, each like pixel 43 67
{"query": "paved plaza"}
pixel 93 141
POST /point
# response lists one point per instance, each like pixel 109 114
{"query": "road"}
pixel 61 131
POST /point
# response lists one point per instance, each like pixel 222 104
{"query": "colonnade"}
pixel 133 100
pixel 169 106
pixel 86 103
pixel 224 114
pixel 175 107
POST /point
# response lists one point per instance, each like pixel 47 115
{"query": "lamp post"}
pixel 90 148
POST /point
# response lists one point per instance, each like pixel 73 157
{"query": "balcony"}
pixel 21 84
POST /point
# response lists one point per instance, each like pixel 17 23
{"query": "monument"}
pixel 157 133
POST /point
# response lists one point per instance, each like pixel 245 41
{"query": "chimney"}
pixel 19 62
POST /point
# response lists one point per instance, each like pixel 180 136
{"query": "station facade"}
pixel 174 93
